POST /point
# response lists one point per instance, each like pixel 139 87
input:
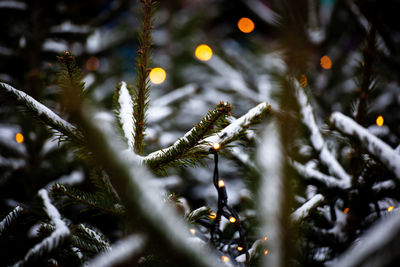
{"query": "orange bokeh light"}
pixel 92 64
pixel 212 215
pixel 245 25
pixel 203 52
pixel 19 137
pixel 379 121
pixel 303 81
pixel 346 210
pixel 326 62
pixel 225 258
pixel 221 183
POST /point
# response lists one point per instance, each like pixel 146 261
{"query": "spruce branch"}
pixel 373 144
pixel 191 139
pixel 303 211
pixel 142 86
pixel 87 239
pixel 44 114
pixel 9 219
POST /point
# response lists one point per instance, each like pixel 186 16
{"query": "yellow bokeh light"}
pixel 232 219
pixel 245 25
pixel 212 215
pixel 221 183
pixel 379 121
pixel 390 208
pixel 326 62
pixel 266 252
pixel 192 230
pixel 240 248
pixel 216 146
pixel 157 75
pixel 346 210
pixel 19 137
pixel 265 238
pixel 225 258
pixel 203 52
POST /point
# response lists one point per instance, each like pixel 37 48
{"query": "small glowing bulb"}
pixel 192 231
pixel 379 121
pixel 303 81
pixel 390 208
pixel 265 238
pixel 212 215
pixel 232 219
pixel 346 210
pixel 157 75
pixel 203 52
pixel 326 62
pixel 266 252
pixel 245 25
pixel 19 137
pixel 221 183
pixel 225 258
pixel 240 248
pixel 216 146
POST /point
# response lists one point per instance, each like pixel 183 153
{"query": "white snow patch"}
pixel 305 209
pixel 126 114
pixel 13 5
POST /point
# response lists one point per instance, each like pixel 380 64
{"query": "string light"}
pixel 346 210
pixel 240 248
pixel 326 62
pixel 19 137
pixel 379 121
pixel 157 75
pixel 245 25
pixel 216 146
pixel 225 258
pixel 390 208
pixel 303 81
pixel 221 183
pixel 265 238
pixel 192 231
pixel 212 215
pixel 232 219
pixel 266 252
pixel 203 52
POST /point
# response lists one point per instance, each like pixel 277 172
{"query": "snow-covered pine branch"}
pixel 55 239
pixel 124 112
pixel 379 246
pixel 310 173
pixel 10 218
pixel 316 138
pixel 131 182
pixel 271 192
pixel 305 209
pixel 119 252
pixel 373 144
pixel 237 127
pixel 44 113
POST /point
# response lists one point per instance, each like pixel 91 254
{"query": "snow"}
pixel 316 138
pixel 175 95
pixel 95 235
pixel 309 172
pixel 377 247
pixel 68 27
pixel 13 5
pixel 305 209
pixel 39 108
pixel 271 191
pixel 57 236
pixel 263 12
pixel 126 114
pixel 122 250
pixel 74 178
pixel 374 145
pixel 4 51
pixel 9 218
pixel 55 46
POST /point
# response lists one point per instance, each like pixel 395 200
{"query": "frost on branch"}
pixel 9 219
pixel 44 113
pixel 56 238
pixel 124 113
pixel 316 138
pixel 305 209
pixel 373 144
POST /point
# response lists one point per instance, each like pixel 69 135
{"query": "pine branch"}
pixel 142 86
pixel 373 144
pixel 191 139
pixel 57 237
pixel 43 113
pixel 94 201
pixel 142 203
pixel 303 211
pixel 316 138
pixel 9 219
pixel 87 239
